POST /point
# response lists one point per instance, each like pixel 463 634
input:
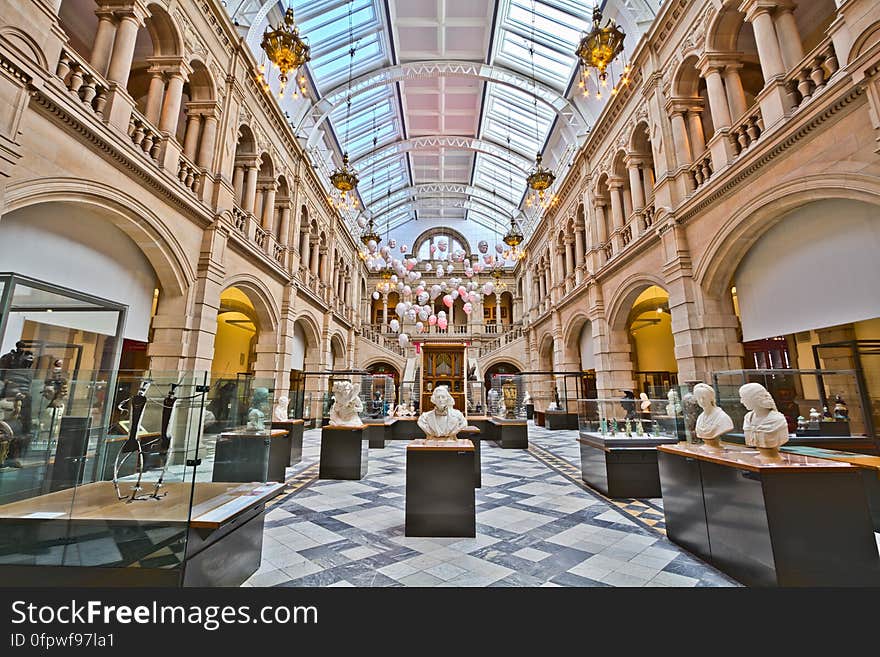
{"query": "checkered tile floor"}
pixel 537 525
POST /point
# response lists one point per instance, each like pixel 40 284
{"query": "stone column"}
pixel 191 136
pixel 789 38
pixel 601 225
pixel 249 195
pixel 717 97
pixel 695 127
pixel 384 310
pixel 103 45
pixel 155 95
pixel 569 255
pixel 209 141
pixel 635 185
pixel 680 137
pixel 314 253
pixel 617 218
pixel 498 312
pixel 238 183
pixel 119 67
pixel 268 218
pixel 736 95
pixel 258 203
pixel 322 263
pixel 579 248
pixel 171 106
pixel 758 14
pixel 284 230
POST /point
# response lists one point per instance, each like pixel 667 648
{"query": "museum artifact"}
pixel 815 418
pixel 628 428
pixel 55 391
pixel 690 411
pixel 826 415
pixel 444 421
pixel 640 430
pixel 508 392
pixel 645 403
pixel 673 407
pixel 713 422
pixel 841 413
pixel 528 398
pixel 802 423
pixel 16 375
pixel 256 417
pixel 280 412
pixel 764 427
pixel 347 406
pixel 628 403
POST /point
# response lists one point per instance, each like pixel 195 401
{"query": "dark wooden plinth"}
pixel 618 469
pixel 440 489
pixel 344 453
pixel 511 434
pixel 251 456
pixel 540 420
pixel 557 420
pixel 294 429
pixel 406 428
pixel 379 432
pixel 800 521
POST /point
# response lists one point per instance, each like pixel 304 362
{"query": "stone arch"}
pixel 545 352
pixel 133 217
pixel 489 363
pixel 311 330
pixel 261 298
pixel 16 39
pixel 621 303
pixel 572 332
pixel 164 32
pixel 338 350
pixel 865 41
pixel 745 227
pixel 201 82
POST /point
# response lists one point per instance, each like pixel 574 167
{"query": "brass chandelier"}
pixel 345 178
pixel 540 178
pixel 287 51
pixel 597 50
pixel 513 238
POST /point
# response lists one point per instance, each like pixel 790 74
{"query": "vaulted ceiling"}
pixel 448 105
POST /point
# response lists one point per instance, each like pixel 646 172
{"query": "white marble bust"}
pixel 645 404
pixel 347 406
pixel 444 422
pixel 280 412
pixel 673 407
pixel 713 422
pixel 764 427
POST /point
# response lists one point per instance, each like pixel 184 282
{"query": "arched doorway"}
pixel 236 338
pixel 385 369
pixel 649 327
pixel 502 367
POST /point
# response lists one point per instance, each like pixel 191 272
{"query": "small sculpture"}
pixel 347 406
pixel 628 403
pixel 826 415
pixel 802 423
pixel 673 407
pixel 613 426
pixel 603 426
pixel 640 430
pixel 527 399
pixel 280 412
pixel 690 412
pixel 815 418
pixel 256 417
pixel 508 394
pixel 764 426
pixel 713 422
pixel 402 410
pixel 841 412
pixel 645 404
pixel 628 428
pixel 444 422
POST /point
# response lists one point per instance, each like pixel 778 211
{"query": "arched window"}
pixel 436 237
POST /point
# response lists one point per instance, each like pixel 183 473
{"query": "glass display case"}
pixel 509 401
pixel 118 473
pixel 408 399
pixel 476 398
pixel 820 406
pixel 378 394
pixel 629 421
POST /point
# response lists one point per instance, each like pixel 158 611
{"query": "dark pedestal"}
pixel 294 429
pixel 625 467
pixel 70 453
pixel 251 456
pixel 560 420
pixel 474 434
pixel 801 521
pixel 511 434
pixel 539 418
pixel 344 453
pixel 440 489
pixel 406 428
pixel 530 411
pixel 379 432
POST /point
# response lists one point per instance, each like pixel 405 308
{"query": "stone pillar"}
pixel 119 67
pixel 191 136
pixel 617 218
pixel 209 141
pixel 635 185
pixel 758 14
pixel 717 97
pixel 268 218
pixel 238 183
pixel 789 38
pixel 736 95
pixel 384 310
pixel 284 229
pixel 322 263
pixel 155 95
pixel 579 248
pixel 305 256
pixel 249 195
pixel 314 253
pixel 569 255
pixel 171 106
pixel 498 312
pixel 601 225
pixel 680 137
pixel 102 48
pixel 695 127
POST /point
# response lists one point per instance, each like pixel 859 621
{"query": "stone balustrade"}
pixel 143 134
pixel 82 81
pixel 701 169
pixel 189 174
pixel 747 130
pixel 811 75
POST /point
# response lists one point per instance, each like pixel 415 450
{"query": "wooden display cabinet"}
pixel 444 365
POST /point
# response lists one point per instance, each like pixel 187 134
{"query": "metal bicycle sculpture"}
pixel 133 445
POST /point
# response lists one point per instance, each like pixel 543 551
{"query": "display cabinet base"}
pixel 440 498
pixel 406 428
pixel 540 420
pixel 558 420
pixel 511 434
pixel 620 472
pixel 530 411
pixel 768 527
pixel 379 432
pixel 243 456
pixel 344 453
pixel 294 430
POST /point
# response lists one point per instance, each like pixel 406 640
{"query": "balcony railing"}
pixel 701 169
pixel 812 73
pixel 747 130
pixel 82 81
pixel 143 134
pixel 188 173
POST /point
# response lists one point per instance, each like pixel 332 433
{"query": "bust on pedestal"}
pixel 764 427
pixel 713 422
pixel 347 406
pixel 444 422
pixel 256 417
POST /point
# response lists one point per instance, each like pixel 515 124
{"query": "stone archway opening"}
pixel 649 328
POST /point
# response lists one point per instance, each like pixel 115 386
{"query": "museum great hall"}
pixel 439 293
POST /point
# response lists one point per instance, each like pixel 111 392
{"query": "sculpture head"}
pixel 754 396
pixel 643 396
pixel 260 397
pixel 342 390
pixel 441 399
pixel 705 395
